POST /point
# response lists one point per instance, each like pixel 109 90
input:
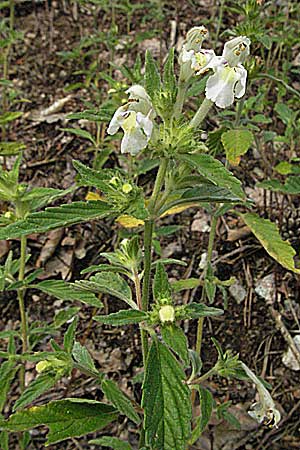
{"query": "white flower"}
pixel 202 61
pixel 229 79
pixel 263 411
pixel 226 84
pixel 236 50
pixel 136 120
pixel 190 48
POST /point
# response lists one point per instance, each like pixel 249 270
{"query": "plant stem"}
pixel 212 235
pixel 178 107
pixel 138 292
pixel 204 377
pixel 201 113
pixel 23 318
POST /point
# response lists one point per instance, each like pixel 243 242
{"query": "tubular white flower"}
pixel 236 50
pixel 263 411
pixel 226 84
pixel 203 60
pixel 136 120
pixel 229 79
pixel 190 48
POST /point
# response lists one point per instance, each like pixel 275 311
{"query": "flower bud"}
pixel 126 188
pixel 167 314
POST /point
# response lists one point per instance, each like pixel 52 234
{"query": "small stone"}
pixel 289 359
pixel 238 292
pixel 265 287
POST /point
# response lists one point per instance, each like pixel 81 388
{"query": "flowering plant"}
pixel 155 129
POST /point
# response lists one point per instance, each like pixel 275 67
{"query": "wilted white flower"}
pixel 263 411
pixel 136 120
pixel 230 76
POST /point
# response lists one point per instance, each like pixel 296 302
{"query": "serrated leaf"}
pixel 82 357
pixel 81 133
pixel 36 388
pixel 214 171
pixel 11 148
pixel 111 442
pixel 4 439
pixel 268 235
pixel 166 401
pixel 67 291
pixel 123 317
pixel 169 79
pixel 236 143
pixel 119 400
pixel 206 407
pixel 56 217
pixel 109 283
pixel 161 285
pixel 210 193
pixel 175 338
pixel 290 187
pixel 196 310
pixel 152 77
pixel 7 374
pixel 66 418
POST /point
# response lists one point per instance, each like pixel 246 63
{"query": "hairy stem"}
pixel 201 113
pixel 21 295
pixel 178 107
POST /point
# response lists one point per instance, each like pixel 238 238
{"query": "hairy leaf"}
pixel 161 285
pixel 123 317
pixel 67 291
pixel 215 172
pixel 7 374
pixel 196 310
pixel 175 338
pixel 56 217
pixel 66 418
pixel 268 235
pixel 109 283
pixel 82 356
pixel 152 77
pixel 236 144
pixel 206 407
pixel 166 400
pixel 119 400
pixel 111 442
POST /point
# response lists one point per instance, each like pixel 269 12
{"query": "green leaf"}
pixel 152 77
pixel 166 400
pixel 4 438
pixel 7 374
pixel 108 283
pixel 215 172
pixel 175 338
pixel 64 315
pixel 268 235
pixel 210 289
pixel 9 117
pixel 56 217
pixel 119 400
pixel 284 168
pixel 196 310
pixel 290 187
pixel 112 442
pixel 69 337
pixel 37 387
pixel 81 133
pixel 182 285
pixel 82 357
pixel 236 143
pixel 206 407
pixel 123 317
pixel 66 418
pixel 210 193
pixel 169 79
pixel 161 285
pixel 67 291
pixel 11 148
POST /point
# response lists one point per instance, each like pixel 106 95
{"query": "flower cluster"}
pixel 227 82
pixel 229 77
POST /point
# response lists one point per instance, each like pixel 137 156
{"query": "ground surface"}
pixel 247 327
